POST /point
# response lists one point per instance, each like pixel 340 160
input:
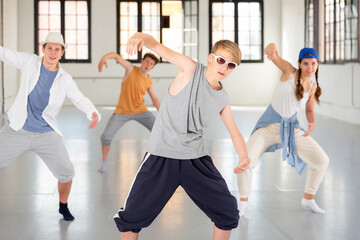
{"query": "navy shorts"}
pixel 159 177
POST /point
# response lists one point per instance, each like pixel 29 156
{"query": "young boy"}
pixel 32 117
pixel 131 105
pixel 176 153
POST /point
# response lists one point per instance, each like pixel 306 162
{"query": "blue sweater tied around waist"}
pixel 287 133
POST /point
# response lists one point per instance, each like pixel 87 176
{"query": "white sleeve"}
pixel 80 101
pixel 16 59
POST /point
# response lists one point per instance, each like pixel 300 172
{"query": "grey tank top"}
pixel 178 128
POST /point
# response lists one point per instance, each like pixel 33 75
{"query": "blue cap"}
pixel 305 51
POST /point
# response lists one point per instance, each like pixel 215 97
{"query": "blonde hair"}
pixel 229 46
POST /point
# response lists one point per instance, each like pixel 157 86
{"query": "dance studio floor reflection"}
pixel 29 198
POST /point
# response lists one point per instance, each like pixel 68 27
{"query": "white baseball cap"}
pixel 54 37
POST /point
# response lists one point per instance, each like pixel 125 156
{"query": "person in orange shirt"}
pixel 131 105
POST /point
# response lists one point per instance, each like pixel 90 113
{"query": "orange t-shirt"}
pixel 133 89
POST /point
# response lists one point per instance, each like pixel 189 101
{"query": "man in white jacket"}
pixel 32 122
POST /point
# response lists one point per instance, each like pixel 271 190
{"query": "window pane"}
pixel 49 19
pixel 70 22
pixel 309 23
pixel 82 22
pixel 243 10
pixel 76 30
pixel 44 22
pixel 244 23
pixel 83 37
pixel 128 25
pixel 70 7
pixel 151 19
pixel 255 52
pixel 82 52
pixel 43 8
pixel 82 8
pixel 70 37
pixel 250 30
pixel 173 36
pixel 329 30
pixel 54 7
pixel 223 24
pixel 244 38
pixel 70 52
pixel 55 22
pixel 190 30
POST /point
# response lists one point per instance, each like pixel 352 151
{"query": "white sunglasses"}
pixel 220 60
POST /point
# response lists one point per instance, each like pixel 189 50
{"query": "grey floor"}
pixel 29 198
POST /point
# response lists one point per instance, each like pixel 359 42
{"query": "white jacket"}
pixel 63 86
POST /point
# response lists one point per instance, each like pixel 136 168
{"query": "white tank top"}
pixel 284 99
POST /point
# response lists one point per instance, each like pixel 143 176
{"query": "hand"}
pixel 135 43
pixel 310 128
pixel 95 118
pixel 243 165
pixel 271 51
pixel 102 63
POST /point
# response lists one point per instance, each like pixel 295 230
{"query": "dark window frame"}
pixel 191 15
pixel 321 43
pixel 261 3
pixel 315 32
pixel 139 22
pixel 62 25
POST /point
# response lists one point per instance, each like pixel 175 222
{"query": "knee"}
pixel 67 174
pixel 325 161
pixel 105 140
pixel 230 218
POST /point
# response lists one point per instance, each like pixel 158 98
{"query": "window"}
pixel 311 24
pixel 241 22
pixel 333 30
pixel 172 23
pixel 72 19
pixel 191 29
pixel 341 30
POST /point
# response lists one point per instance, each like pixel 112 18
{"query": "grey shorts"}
pixel 116 121
pixel 48 145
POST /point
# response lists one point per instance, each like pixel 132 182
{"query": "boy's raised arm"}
pixel 112 55
pixel 138 40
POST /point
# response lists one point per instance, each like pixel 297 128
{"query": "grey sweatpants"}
pixel 48 145
pixel 116 121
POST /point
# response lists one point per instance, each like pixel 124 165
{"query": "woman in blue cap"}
pixel 278 126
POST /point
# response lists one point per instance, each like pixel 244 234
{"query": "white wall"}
pixel 10 21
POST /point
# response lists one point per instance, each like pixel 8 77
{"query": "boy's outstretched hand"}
pixel 102 62
pixel 95 119
pixel 243 165
pixel 135 43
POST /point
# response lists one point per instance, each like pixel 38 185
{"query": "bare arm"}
pixel 310 115
pixel 185 64
pixel 112 55
pixel 286 68
pixel 153 97
pixel 237 139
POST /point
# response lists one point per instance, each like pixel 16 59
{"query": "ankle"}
pixel 308 196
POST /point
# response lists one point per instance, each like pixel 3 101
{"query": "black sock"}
pixel 64 210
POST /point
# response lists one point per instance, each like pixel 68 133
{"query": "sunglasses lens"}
pixel 231 65
pixel 220 60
